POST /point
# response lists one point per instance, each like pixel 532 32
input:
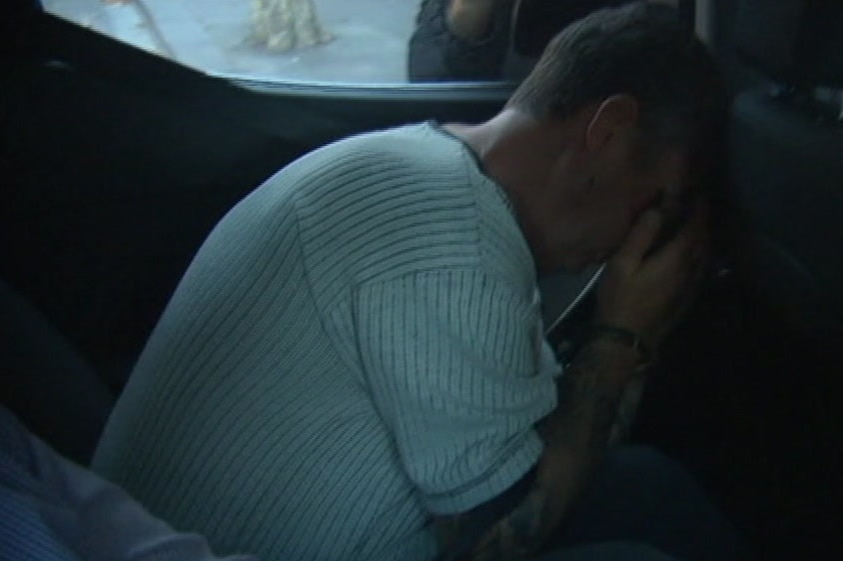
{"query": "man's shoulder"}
pixel 412 142
pixel 414 199
pixel 394 200
pixel 391 162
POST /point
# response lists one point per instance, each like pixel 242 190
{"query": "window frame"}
pixel 699 13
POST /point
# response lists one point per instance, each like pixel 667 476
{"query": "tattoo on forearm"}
pixel 586 409
pixel 515 537
pixel 589 416
pixel 627 408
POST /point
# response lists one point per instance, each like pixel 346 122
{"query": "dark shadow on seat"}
pixel 46 382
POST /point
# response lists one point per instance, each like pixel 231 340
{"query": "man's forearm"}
pixel 576 437
pixel 589 394
pixel 578 433
pixel 470 20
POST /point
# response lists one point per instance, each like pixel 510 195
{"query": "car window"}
pixel 348 41
pixel 336 41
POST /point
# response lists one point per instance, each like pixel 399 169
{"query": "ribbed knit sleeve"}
pixel 376 291
pixel 454 361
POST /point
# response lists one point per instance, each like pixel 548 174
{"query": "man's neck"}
pixel 501 144
pixel 518 153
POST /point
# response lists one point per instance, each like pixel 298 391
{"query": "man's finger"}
pixel 691 238
pixel 641 237
pixel 694 279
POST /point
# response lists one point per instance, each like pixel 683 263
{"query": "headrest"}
pixel 796 42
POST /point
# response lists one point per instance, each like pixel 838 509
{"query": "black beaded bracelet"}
pixel 627 337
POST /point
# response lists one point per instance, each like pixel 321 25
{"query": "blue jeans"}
pixel 644 506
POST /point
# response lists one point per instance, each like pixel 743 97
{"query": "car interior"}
pixel 116 163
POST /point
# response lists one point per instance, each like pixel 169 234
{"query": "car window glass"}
pixel 337 41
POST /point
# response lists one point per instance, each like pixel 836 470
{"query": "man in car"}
pixel 354 366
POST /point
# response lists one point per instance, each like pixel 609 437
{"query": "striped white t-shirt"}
pixel 356 347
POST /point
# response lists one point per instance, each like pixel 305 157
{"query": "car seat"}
pixel 786 144
pixel 46 382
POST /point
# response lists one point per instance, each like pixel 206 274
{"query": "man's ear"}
pixel 616 113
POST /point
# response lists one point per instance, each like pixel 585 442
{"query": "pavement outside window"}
pixel 368 44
